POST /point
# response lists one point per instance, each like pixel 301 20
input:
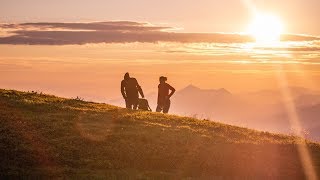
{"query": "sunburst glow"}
pixel 266 28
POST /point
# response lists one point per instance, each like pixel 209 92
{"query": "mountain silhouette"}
pixel 206 103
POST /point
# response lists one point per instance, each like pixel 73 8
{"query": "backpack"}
pixel 143 105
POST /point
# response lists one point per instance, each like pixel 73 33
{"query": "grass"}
pixel 47 136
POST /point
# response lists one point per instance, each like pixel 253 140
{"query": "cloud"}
pixel 299 37
pixel 94 26
pixel 115 32
pixel 292 49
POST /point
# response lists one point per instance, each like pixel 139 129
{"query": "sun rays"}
pixel 267 29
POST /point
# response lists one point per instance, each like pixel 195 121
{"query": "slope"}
pixel 47 136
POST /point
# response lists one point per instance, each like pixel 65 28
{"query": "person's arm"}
pixel 172 91
pixel 158 94
pixel 140 89
pixel 123 90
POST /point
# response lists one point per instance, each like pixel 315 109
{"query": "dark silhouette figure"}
pixel 144 105
pixel 130 90
pixel 163 95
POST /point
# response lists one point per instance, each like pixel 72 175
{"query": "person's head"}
pixel 162 79
pixel 126 76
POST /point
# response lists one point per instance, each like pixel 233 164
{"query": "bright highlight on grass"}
pixel 266 29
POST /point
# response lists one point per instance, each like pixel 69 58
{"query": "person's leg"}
pixel 166 106
pixel 135 103
pixel 129 103
pixel 159 108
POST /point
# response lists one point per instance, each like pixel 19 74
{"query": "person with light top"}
pixel 164 95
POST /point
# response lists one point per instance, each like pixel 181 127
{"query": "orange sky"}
pixel 88 57
pixel 301 16
pixel 95 71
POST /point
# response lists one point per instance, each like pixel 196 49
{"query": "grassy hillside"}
pixel 43 135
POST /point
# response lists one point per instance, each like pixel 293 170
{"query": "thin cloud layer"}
pixel 115 32
pixel 93 26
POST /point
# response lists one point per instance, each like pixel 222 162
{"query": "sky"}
pixel 300 16
pixel 83 48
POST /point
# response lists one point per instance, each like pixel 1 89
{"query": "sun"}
pixel 266 29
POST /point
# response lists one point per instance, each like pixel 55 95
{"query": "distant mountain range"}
pixel 263 110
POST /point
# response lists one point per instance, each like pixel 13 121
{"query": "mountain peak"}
pixel 191 86
pixel 195 89
pixel 223 90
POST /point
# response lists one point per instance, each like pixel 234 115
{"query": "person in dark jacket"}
pixel 130 90
pixel 164 95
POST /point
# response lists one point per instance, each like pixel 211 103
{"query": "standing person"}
pixel 163 95
pixel 130 90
